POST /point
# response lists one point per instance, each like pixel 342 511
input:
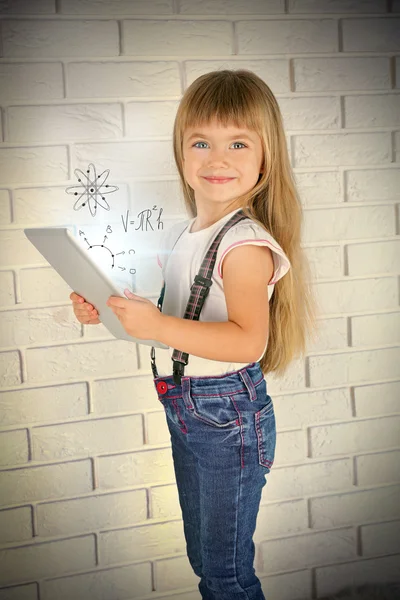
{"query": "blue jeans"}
pixel 223 444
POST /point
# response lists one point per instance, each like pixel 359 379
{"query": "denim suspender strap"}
pixel 199 292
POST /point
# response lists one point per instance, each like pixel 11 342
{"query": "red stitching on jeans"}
pixel 265 461
pixel 184 428
pixel 241 434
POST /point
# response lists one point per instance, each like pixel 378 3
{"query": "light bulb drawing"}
pixel 92 189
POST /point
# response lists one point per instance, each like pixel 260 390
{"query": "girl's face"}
pixel 221 152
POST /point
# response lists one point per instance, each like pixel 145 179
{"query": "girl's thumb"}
pixel 128 293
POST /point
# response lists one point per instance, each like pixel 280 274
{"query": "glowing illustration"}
pixel 92 189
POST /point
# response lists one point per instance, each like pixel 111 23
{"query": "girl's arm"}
pixel 246 271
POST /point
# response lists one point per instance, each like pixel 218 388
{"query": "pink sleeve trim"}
pixel 254 243
pixel 159 263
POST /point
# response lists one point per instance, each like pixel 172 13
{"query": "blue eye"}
pixel 241 143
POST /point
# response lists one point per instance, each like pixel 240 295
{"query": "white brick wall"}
pixel 88 501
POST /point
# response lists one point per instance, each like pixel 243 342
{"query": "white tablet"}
pixel 69 259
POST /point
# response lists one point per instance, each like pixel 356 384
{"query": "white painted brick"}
pixel 34 165
pixel 122 7
pixel 325 261
pixel 151 158
pixel 152 466
pixel 46 560
pixel 7 294
pixel 356 366
pixel 377 257
pixel 172 37
pixel 230 7
pixel 22 327
pixel 91 513
pixel 372 330
pixel 91 358
pixel 377 34
pixel 380 538
pixel 113 80
pixel 31 81
pixel 150 118
pixel 64 122
pixel 373 469
pixel 124 394
pixel 94 436
pixel 132 581
pixel 341 149
pixel 13 447
pixel 357 295
pixel 139 543
pixel 274 71
pixel 20 592
pixel 378 110
pixel 382 398
pixel 5 207
pixel 96 331
pixel 281 518
pixel 354 437
pixel 372 184
pixel 355 507
pixel 332 335
pixel 52 38
pixel 334 578
pixel 290 448
pixel 309 479
pixel 174 573
pixel 278 37
pixel 319 187
pixel 15 525
pixel 32 484
pixel 293 378
pixel 56 403
pixel 307 550
pixel 53 206
pixel 157 428
pixel 16 249
pixel 163 194
pixel 397 145
pixel 310 113
pixel 164 502
pixel 24 6
pixel 300 410
pixel 42 285
pixel 290 586
pixel 341 73
pixel 336 6
pixel 10 368
pixel 398 70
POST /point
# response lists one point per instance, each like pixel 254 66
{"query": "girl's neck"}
pixel 204 221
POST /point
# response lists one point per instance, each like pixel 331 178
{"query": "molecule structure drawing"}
pixel 112 256
pixel 92 189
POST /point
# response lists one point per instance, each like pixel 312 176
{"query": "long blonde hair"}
pixel 241 98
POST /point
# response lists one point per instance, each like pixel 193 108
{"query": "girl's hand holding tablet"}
pixel 84 312
pixel 139 316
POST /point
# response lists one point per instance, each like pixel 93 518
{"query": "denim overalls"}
pixel 223 444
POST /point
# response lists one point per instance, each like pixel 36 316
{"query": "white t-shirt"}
pixel 180 266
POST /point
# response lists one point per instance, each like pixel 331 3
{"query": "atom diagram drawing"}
pixel 92 189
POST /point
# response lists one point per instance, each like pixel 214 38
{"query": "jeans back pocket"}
pixel 266 435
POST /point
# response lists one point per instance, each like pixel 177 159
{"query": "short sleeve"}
pixel 250 232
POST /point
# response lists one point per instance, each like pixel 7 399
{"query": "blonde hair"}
pixel 241 98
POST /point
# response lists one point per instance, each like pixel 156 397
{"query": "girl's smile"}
pixel 219 179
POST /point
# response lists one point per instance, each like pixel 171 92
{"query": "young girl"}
pixel 236 304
